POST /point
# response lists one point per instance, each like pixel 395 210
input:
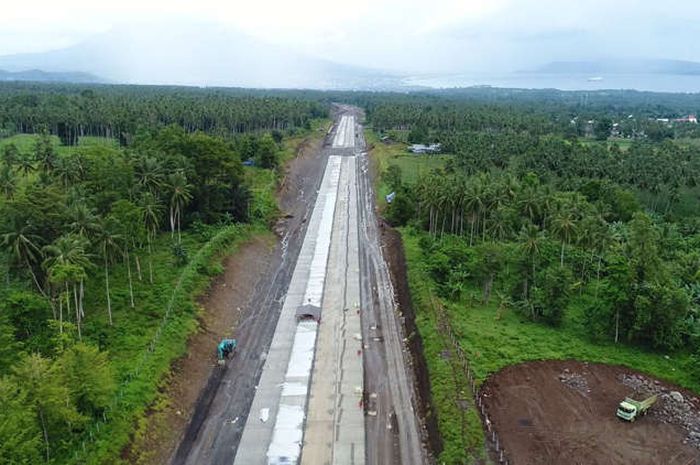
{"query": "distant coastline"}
pixel 654 82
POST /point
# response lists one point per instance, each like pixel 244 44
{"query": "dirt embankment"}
pixel 394 255
pixel 563 412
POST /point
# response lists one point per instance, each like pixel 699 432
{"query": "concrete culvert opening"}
pixel 308 312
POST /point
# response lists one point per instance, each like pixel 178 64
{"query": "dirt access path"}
pixel 230 303
pixel 563 412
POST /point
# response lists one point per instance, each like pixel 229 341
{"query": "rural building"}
pixel 422 148
pixel 687 119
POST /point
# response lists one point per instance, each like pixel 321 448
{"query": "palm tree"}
pixel 67 259
pixel 499 224
pixel 179 198
pixel 531 238
pixel 44 154
pixel 8 183
pixel 69 170
pixel 23 246
pixel 84 222
pixel 108 244
pixel 149 173
pixel 529 202
pixel 152 211
pixel 10 155
pixel 564 226
pixel 25 164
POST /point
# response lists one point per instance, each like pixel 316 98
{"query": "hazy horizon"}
pixel 183 43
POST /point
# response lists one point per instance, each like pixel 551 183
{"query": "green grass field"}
pixel 412 166
pixel 496 337
pixel 415 166
pixel 624 144
pixel 689 142
pixel 26 142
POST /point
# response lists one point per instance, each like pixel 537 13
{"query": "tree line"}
pixel 119 112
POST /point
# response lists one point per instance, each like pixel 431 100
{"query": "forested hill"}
pixel 38 75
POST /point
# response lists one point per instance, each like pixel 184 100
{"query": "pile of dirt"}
pixel 671 407
pixel 574 381
pixel 563 412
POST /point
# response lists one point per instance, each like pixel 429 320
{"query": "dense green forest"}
pixel 542 240
pixel 115 206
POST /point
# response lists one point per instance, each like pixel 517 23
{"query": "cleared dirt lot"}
pixel 563 412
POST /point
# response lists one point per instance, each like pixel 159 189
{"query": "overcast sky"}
pixel 401 35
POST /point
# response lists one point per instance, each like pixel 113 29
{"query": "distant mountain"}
pixel 622 66
pixel 204 54
pixel 38 75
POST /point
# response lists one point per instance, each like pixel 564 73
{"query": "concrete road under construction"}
pixel 335 386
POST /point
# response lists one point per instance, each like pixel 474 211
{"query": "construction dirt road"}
pixel 563 412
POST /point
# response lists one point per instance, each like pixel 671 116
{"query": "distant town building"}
pixel 615 131
pixel 422 148
pixel 687 119
pixel 693 119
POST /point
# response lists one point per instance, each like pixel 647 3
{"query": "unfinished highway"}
pixel 335 386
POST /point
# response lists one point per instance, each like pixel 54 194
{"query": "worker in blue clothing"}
pixel 225 348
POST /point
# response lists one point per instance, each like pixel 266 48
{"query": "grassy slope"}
pixel 460 430
pixel 165 314
pixel 25 143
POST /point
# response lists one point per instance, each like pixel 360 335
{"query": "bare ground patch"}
pixel 563 412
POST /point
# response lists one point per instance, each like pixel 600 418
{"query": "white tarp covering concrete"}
pixel 302 356
pixel 285 446
pixel 317 271
pixel 286 439
pixel 294 389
